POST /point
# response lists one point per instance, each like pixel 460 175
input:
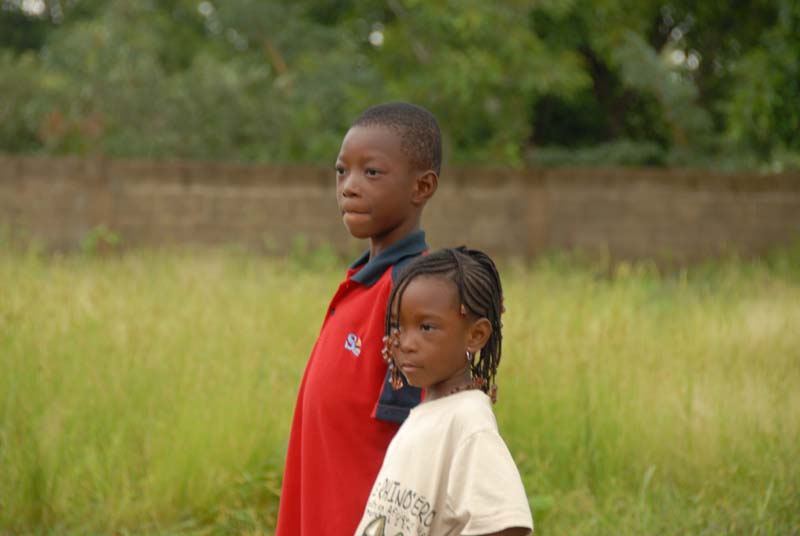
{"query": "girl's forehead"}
pixel 430 288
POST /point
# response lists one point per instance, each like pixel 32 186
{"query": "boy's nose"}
pixel 350 186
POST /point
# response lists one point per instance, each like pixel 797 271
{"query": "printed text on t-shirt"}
pixel 403 508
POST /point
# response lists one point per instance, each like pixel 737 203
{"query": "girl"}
pixel 447 471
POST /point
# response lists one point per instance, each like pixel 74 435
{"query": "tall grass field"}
pixel 152 392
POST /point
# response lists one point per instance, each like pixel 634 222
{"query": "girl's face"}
pixel 434 337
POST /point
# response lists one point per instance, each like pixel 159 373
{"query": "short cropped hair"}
pixel 420 136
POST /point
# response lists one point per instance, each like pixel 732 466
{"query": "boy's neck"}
pixel 378 244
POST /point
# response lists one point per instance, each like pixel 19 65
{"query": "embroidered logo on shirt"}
pixel 353 343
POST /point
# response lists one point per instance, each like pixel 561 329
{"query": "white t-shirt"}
pixel 447 472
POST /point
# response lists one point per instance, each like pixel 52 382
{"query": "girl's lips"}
pixel 408 366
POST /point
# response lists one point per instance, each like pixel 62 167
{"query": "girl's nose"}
pixel 406 341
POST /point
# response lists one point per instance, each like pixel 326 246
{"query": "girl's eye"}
pixel 339 170
pixel 426 327
pixel 372 172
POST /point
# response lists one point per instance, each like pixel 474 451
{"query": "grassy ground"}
pixel 151 393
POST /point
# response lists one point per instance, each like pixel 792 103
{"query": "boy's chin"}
pixel 356 232
pixel 362 232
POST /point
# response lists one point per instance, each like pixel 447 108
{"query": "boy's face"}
pixel 376 186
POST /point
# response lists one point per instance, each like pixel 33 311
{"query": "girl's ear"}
pixel 425 186
pixel 478 334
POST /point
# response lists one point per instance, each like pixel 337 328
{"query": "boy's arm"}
pixel 394 406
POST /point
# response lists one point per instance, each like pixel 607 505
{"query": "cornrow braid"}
pixel 480 293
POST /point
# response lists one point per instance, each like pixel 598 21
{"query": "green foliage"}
pixel 618 153
pixel 642 69
pixel 99 239
pixel 278 81
pixel 669 73
pixel 764 111
pixel 19 114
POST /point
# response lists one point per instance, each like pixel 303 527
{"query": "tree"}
pixel 655 81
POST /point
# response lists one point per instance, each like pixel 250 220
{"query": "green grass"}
pixel 151 393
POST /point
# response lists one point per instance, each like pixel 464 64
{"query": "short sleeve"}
pixel 484 488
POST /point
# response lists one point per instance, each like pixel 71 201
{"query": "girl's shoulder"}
pixel 468 412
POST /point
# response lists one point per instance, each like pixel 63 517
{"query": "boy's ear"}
pixel 478 334
pixel 425 186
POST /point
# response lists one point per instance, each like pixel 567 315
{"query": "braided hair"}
pixel 480 294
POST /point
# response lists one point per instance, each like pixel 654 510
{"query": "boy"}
pixel 347 412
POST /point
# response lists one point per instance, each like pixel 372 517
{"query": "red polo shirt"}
pixel 346 412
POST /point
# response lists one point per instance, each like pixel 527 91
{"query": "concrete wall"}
pixel 673 215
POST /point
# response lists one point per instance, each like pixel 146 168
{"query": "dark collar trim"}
pixel 373 269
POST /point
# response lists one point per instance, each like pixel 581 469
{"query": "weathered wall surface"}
pixel 678 215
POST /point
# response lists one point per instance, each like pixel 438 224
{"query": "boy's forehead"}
pixel 376 129
pixel 374 139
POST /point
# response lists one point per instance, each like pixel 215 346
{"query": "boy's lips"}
pixel 355 217
pixel 349 209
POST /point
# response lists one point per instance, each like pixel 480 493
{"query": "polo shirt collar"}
pixel 410 245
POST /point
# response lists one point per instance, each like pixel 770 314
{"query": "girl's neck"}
pixel 458 382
